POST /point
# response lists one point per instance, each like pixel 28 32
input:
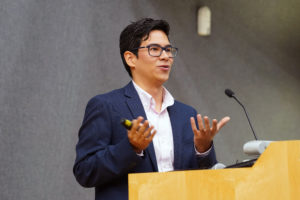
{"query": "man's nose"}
pixel 164 55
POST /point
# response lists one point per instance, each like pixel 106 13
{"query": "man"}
pixel 164 135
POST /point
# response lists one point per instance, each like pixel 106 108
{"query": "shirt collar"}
pixel 148 101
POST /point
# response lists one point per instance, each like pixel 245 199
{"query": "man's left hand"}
pixel 203 136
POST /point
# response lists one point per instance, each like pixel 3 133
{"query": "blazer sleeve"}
pixel 205 162
pixel 98 161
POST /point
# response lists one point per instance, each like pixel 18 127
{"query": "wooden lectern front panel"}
pixel 275 175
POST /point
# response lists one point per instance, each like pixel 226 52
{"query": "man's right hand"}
pixel 140 134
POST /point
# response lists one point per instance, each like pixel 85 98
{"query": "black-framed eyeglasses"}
pixel 156 50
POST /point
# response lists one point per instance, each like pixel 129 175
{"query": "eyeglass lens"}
pixel 155 50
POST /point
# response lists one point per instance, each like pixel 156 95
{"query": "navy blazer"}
pixel 104 156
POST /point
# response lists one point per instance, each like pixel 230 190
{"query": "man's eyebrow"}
pixel 168 45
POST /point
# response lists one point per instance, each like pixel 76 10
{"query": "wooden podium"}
pixel 275 175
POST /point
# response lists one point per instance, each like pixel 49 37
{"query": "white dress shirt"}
pixel 163 140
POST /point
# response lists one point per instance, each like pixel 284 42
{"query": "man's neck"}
pixel 155 90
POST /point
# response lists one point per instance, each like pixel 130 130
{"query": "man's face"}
pixel 151 70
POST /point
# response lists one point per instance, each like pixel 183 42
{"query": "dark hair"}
pixel 131 37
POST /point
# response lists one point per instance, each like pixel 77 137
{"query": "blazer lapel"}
pixel 136 108
pixel 175 123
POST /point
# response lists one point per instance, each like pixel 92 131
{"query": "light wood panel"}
pixel 276 175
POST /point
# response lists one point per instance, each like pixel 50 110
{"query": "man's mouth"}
pixel 164 67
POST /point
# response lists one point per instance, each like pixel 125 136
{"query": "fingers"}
pixel 140 134
pixel 148 133
pixel 136 123
pixel 206 122
pixel 205 128
pixel 222 123
pixel 200 123
pixel 150 138
pixel 193 124
pixel 214 128
pixel 205 134
pixel 143 127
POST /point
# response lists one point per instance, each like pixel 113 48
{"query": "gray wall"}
pixel 56 54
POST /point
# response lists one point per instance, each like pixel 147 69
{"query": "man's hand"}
pixel 204 136
pixel 140 134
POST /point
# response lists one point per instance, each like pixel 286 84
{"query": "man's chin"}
pixel 163 79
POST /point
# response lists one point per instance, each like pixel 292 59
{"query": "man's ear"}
pixel 130 59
